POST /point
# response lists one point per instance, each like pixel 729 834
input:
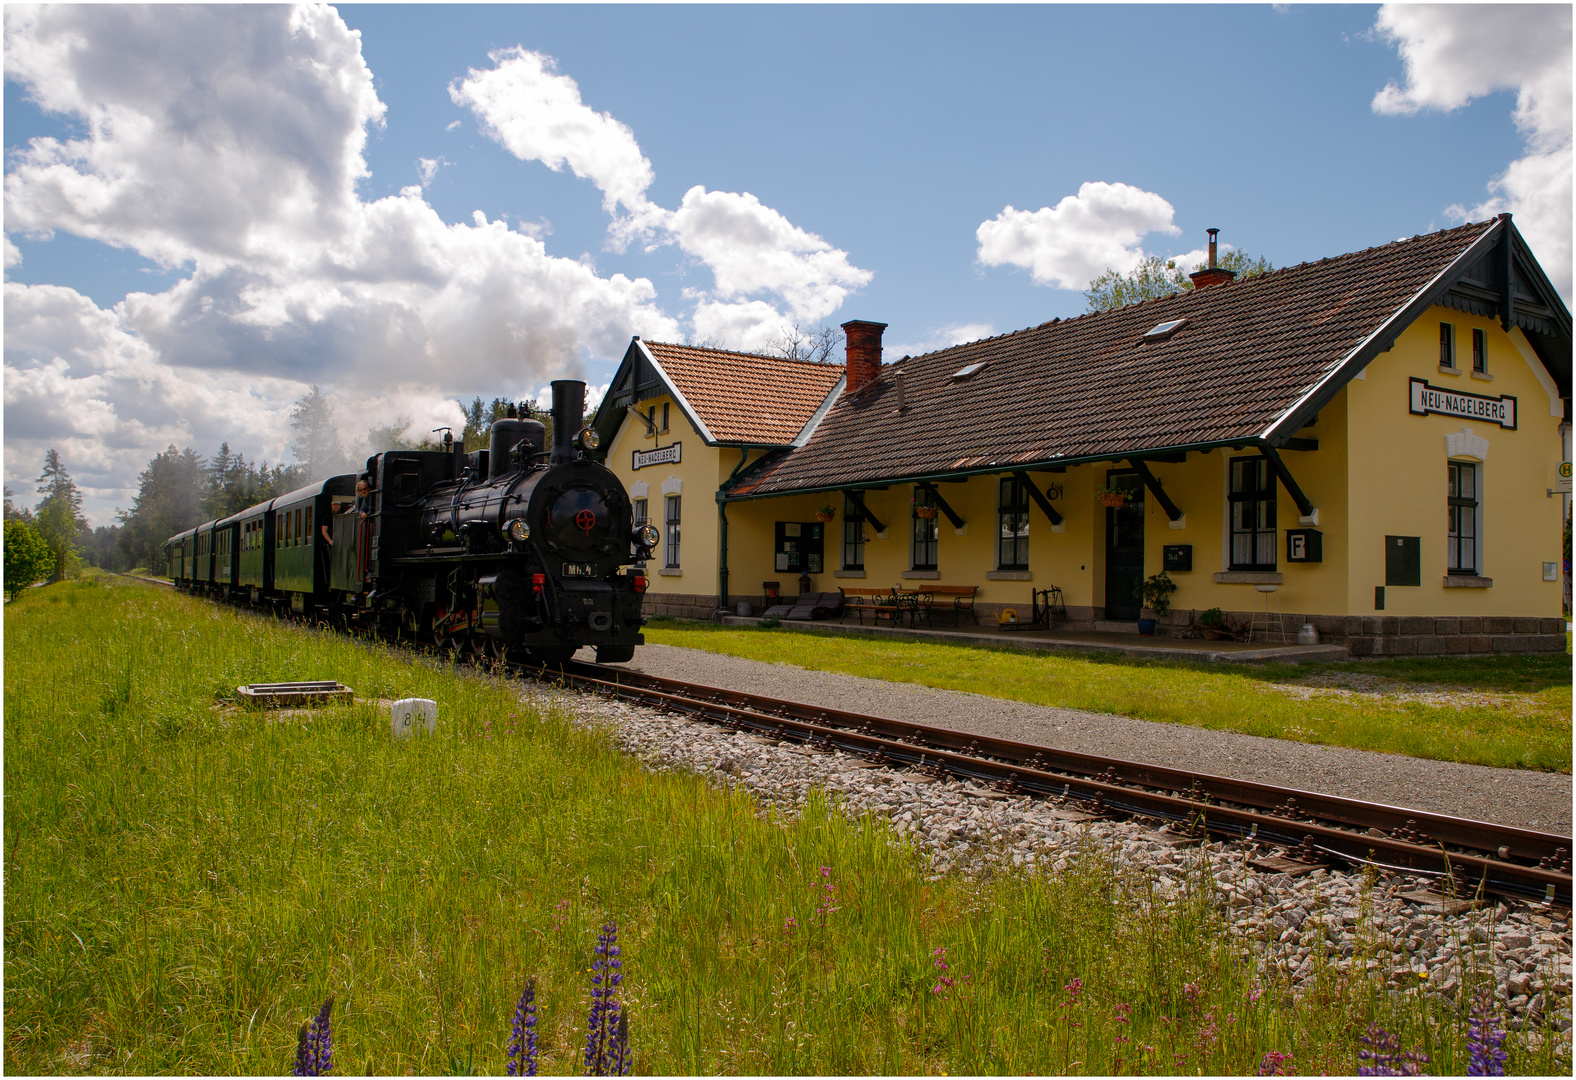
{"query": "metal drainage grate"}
pixel 276 695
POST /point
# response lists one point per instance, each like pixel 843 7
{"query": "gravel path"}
pixel 1531 800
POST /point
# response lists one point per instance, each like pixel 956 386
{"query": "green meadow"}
pixel 186 881
pixel 1503 711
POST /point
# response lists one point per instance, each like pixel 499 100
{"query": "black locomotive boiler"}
pixel 521 550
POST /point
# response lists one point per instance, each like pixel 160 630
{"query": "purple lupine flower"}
pixel 1273 1063
pixel 618 1059
pixel 522 1034
pixel 603 1023
pixel 1485 1036
pixel 1385 1056
pixel 315 1044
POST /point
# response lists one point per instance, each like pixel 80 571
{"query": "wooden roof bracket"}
pixel 952 515
pixel 1506 312
pixel 1039 498
pixel 857 497
pixel 1278 467
pixel 1155 489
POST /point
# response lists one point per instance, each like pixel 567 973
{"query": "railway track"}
pixel 1464 856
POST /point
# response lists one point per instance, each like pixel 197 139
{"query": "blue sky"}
pixel 199 224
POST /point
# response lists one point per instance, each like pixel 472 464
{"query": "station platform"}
pixel 1078 641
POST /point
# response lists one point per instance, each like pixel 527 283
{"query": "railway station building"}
pixel 1370 444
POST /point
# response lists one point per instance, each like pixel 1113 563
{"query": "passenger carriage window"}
pixel 307 534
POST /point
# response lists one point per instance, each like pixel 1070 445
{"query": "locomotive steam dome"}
pixel 580 520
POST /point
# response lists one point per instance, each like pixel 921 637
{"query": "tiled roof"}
pixel 1091 385
pixel 747 398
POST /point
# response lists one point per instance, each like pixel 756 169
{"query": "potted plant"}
pixel 926 512
pixel 825 514
pixel 1155 593
pixel 1212 624
pixel 1111 496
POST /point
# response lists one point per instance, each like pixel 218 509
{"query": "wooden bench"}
pixel 881 603
pixel 962 600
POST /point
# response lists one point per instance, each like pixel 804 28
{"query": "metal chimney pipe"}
pixel 1212 234
pixel 569 405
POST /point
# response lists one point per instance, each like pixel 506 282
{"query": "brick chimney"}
pixel 864 353
pixel 1211 274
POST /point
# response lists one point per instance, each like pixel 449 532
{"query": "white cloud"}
pixel 13 254
pixel 537 115
pixel 427 168
pixel 1067 245
pixel 751 249
pixel 940 338
pixel 1454 53
pixel 229 140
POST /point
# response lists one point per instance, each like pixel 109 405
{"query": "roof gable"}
pixel 1253 361
pixel 731 397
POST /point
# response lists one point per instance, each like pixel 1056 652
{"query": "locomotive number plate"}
pixel 575 569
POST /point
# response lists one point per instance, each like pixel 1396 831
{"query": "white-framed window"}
pixel 1462 547
pixel 924 547
pixel 853 536
pixel 1012 525
pixel 671 521
pixel 640 519
pixel 1447 345
pixel 1252 500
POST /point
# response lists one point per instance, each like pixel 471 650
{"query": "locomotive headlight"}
pixel 519 530
pixel 647 536
pixel 588 439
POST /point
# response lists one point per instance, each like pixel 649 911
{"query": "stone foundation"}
pixel 1398 635
pixel 1362 635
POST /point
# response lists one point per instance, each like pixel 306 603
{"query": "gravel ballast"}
pixel 1530 800
pixel 1299 926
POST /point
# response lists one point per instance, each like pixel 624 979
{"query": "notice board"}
pixel 799 546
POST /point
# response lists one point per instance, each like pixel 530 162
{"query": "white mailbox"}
pixel 407 715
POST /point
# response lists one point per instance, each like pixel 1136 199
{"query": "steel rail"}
pixel 1517 862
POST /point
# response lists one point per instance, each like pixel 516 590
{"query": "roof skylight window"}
pixel 965 372
pixel 1165 330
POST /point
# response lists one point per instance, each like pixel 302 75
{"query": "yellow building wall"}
pixel 1399 480
pixel 1378 471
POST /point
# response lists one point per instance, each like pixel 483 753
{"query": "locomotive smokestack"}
pixel 569 405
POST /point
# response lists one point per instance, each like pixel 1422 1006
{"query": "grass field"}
pixel 1506 711
pixel 185 882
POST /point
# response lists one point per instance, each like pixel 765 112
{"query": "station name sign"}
pixel 1435 399
pixel 668 455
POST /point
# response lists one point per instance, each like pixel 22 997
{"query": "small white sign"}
pixel 1551 571
pixel 668 455
pixel 408 715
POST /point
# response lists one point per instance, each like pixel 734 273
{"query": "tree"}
pixel 479 421
pixel 57 527
pixel 316 445
pixel 27 557
pixel 1154 277
pixel 13 512
pixel 798 343
pixel 169 501
pixel 56 483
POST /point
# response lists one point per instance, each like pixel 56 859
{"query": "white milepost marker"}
pixel 408 715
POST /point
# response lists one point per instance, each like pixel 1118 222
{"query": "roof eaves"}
pixel 820 414
pixel 987 470
pixel 678 395
pixel 1382 337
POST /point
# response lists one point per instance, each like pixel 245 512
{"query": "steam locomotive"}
pixel 519 551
